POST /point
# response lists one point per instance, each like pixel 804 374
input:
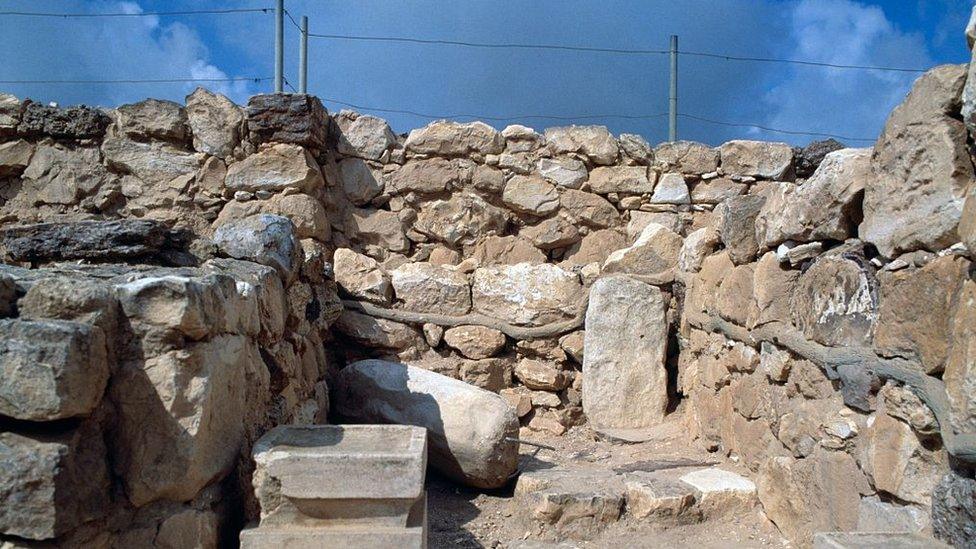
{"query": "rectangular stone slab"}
pixel 359 462
pixel 872 540
pixel 317 538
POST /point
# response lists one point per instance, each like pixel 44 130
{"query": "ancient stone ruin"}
pixel 206 310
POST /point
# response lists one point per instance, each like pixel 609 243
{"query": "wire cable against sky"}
pixel 139 81
pixel 798 62
pixel 774 130
pixel 140 14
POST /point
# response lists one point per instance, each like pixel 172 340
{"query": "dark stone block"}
pixel 95 241
pixel 79 122
pixel 288 118
pixel 808 158
pixel 954 510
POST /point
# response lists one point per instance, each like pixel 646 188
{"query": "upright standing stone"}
pixel 624 378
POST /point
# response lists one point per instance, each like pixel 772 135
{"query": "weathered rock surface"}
pixel 94 241
pixel 475 342
pixel 217 124
pixel 621 179
pixel 737 226
pixel 449 138
pixel 922 169
pixel 589 209
pixel 361 276
pixel 898 462
pixel 51 369
pixel 808 158
pixel 540 376
pixel 378 333
pixel 760 159
pixel 671 189
pixel 552 233
pixel 960 366
pixel 429 288
pixel 526 294
pixel 565 172
pixel 287 118
pixel 79 122
pixel 835 302
pixel 379 227
pixel 654 255
pixel 624 378
pixel 15 156
pixel 954 509
pixel 462 219
pixel 62 174
pixel 823 207
pixel 153 119
pixel 467 427
pixel 266 239
pixel 274 169
pixel 363 136
pixel 594 142
pixel 306 213
pixel 530 195
pixel 687 157
pixel 506 250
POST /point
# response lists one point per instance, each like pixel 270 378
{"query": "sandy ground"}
pixel 463 517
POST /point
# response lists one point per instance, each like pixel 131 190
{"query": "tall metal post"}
pixel 673 107
pixel 303 58
pixel 279 47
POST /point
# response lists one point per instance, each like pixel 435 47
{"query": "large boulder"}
pixel 360 182
pixel 363 136
pixel 361 276
pixel 429 288
pixel 306 213
pixel 654 256
pixel 425 176
pixel 449 138
pixel 594 142
pixel 61 174
pixel 526 294
pixel 589 209
pixel 825 207
pixel 761 159
pixel 264 238
pixel 379 333
pixel 506 250
pixel 52 483
pixel 381 228
pixel 216 122
pixel 922 169
pixel 468 428
pixel 288 118
pixel 622 179
pixel 626 341
pixel 564 172
pixel 530 195
pixel 152 162
pixel 274 169
pixel 898 461
pixel 51 369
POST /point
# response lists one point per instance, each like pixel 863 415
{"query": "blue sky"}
pixel 448 80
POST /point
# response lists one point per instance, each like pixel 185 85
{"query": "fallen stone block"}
pixel 316 538
pixel 468 427
pixel 577 504
pixel 375 475
pixel 660 499
pixel 721 492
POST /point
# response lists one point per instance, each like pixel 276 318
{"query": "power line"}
pixel 141 14
pixel 137 81
pixel 293 22
pixel 485 44
pixel 799 62
pixel 495 118
pixel 774 130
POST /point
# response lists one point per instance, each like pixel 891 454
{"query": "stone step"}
pixel 578 503
pixel 373 537
pixel 875 540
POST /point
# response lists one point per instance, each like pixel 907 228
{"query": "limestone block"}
pixel 287 118
pixel 264 238
pixel 153 119
pixel 526 294
pixel 696 247
pixel 274 169
pixel 363 136
pixel 654 255
pixel 378 227
pixel 449 138
pixel 93 241
pixel 530 195
pixel 594 142
pixel 624 377
pixel 716 191
pixel 360 182
pixel 217 124
pixel 80 122
pixel 636 148
pixel 659 499
pixel 671 189
pixel 595 247
pixel 462 219
pixel 15 156
pixel 773 288
pixel 552 233
pixel 475 342
pixel 760 159
pixel 59 174
pixel 506 250
pixel 574 504
pixel 540 376
pixel 490 374
pixel 188 528
pixel 181 416
pixel 425 176
pixel 467 427
pixel 429 288
pixel 564 172
pixel 589 209
pixel 152 162
pixel 361 276
pixel 961 363
pixel 262 284
pixel 622 179
pixel 306 213
pixel 687 157
pixel 51 369
pixel 721 492
pixel 922 169
pixel 875 515
pixel 361 538
pixel 11 109
pixel 899 463
pixel 378 332
pixel 914 314
pixel 867 540
pixel 835 302
pixel 737 226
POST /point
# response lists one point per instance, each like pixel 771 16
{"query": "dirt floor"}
pixel 463 517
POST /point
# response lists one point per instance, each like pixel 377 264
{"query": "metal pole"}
pixel 673 107
pixel 303 58
pixel 279 47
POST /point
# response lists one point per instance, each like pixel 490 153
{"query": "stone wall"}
pixel 806 311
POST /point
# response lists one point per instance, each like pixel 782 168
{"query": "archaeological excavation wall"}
pixel 181 279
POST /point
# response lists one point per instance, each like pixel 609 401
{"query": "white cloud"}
pixel 107 49
pixel 832 100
